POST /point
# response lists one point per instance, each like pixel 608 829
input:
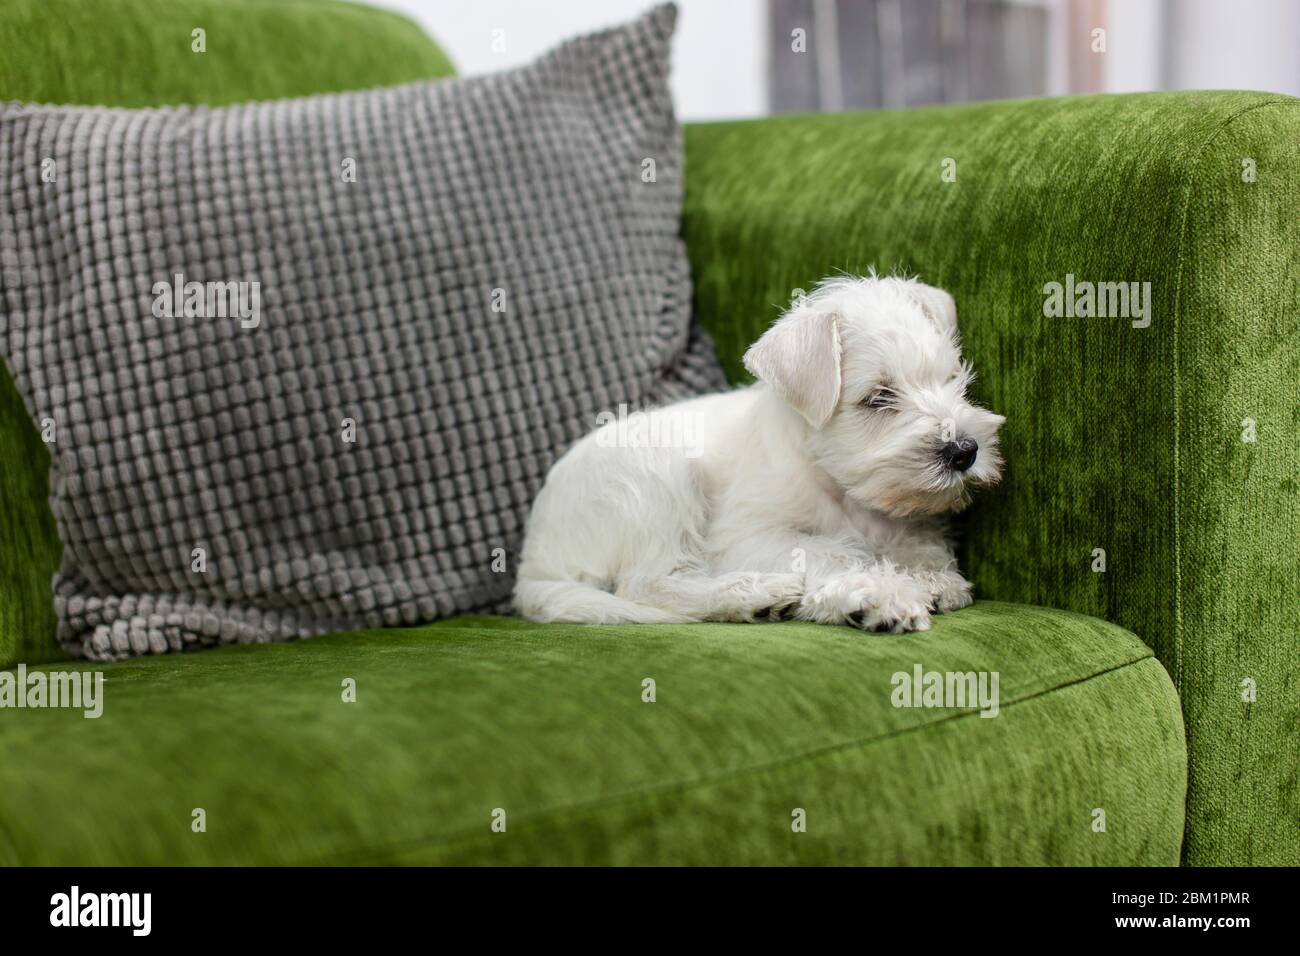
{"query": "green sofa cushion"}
pixel 1128 440
pixel 457 719
pixel 138 53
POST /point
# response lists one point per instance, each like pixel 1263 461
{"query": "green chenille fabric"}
pixel 1134 441
pixel 138 53
pixel 455 721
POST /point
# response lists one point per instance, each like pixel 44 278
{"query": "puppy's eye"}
pixel 880 398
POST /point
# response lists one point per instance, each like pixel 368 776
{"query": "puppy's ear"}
pixel 938 305
pixel 799 357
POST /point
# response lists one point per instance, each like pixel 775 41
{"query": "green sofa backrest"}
pixel 142 53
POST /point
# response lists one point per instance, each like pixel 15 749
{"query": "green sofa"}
pixel 1138 567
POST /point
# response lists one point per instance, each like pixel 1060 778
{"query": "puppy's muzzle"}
pixel 959 455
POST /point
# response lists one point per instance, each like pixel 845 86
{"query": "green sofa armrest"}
pixel 140 53
pixel 1164 445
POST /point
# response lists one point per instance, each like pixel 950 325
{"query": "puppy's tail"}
pixel 573 602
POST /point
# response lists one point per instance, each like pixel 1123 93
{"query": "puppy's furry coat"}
pixel 816 493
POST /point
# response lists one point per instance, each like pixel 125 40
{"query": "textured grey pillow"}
pixel 411 301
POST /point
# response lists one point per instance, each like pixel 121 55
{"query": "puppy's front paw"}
pixel 895 613
pixel 878 600
pixel 949 591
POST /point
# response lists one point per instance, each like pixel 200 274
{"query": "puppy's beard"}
pixel 920 484
pixel 932 495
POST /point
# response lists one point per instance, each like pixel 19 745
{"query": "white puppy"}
pixel 816 493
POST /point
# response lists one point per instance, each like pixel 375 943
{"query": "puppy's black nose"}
pixel 960 455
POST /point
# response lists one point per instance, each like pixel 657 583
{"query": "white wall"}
pixel 1135 46
pixel 1203 45
pixel 719 52
pixel 1244 45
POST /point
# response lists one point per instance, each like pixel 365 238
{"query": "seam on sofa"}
pixel 1197 160
pixel 378 856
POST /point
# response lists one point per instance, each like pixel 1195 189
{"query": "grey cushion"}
pixel 204 485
